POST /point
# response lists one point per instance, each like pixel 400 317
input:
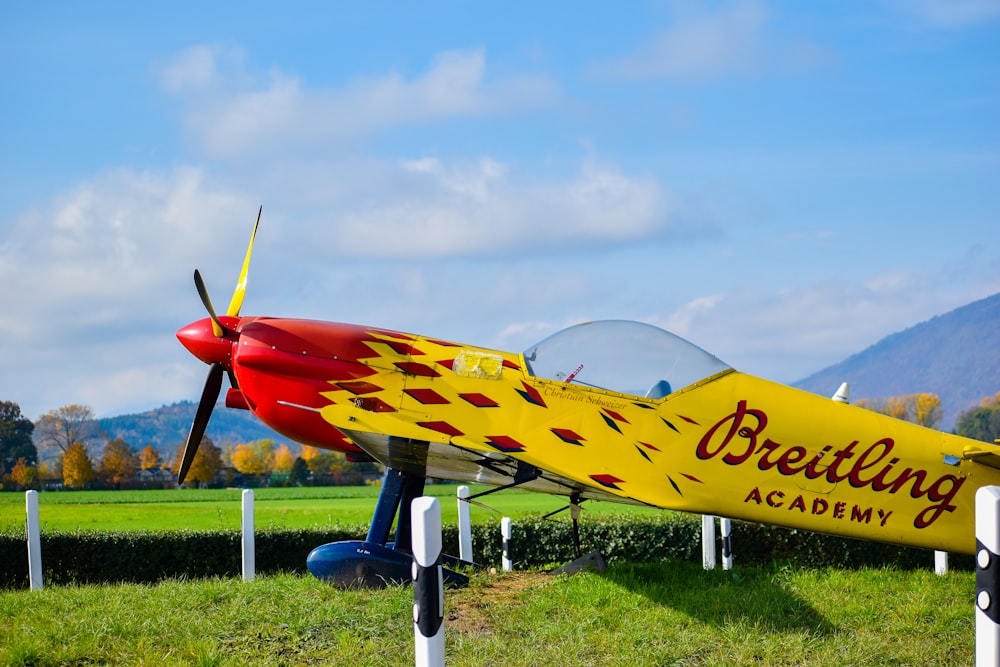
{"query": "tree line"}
pixel 77 455
pixel 83 457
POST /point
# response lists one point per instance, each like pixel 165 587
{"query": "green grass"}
pixel 300 507
pixel 671 613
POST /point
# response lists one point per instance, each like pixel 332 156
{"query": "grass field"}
pixel 298 507
pixel 670 613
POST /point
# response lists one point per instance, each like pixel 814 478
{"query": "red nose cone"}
pixel 199 339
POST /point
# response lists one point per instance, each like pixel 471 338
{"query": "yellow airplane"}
pixel 613 410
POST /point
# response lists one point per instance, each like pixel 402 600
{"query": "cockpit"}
pixel 622 356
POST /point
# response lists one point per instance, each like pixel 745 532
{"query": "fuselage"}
pixel 728 444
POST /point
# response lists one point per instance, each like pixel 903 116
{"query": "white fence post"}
pixel 428 582
pixel 506 532
pixel 249 557
pixel 727 543
pixel 987 576
pixel 464 525
pixel 941 563
pixel 33 528
pixel 708 541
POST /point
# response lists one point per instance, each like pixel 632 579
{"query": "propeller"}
pixel 209 395
pixel 213 383
pixel 217 328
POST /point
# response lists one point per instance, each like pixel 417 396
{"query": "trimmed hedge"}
pixel 147 557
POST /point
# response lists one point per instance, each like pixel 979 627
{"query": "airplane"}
pixel 612 410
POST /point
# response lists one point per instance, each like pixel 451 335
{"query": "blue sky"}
pixel 782 183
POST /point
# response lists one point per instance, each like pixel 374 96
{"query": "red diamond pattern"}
pixel 479 400
pixel 427 396
pixel 359 387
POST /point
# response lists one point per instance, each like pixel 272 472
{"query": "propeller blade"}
pixel 241 286
pixel 209 395
pixel 217 327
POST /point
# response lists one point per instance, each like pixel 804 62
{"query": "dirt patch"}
pixel 470 610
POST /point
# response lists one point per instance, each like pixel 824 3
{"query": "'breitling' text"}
pixel 740 439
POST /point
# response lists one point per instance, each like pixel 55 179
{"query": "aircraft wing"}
pixel 448 461
pixel 986 455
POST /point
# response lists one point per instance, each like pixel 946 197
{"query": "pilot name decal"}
pixel 560 391
pixel 740 437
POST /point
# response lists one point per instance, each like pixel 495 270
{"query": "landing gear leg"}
pixel 373 563
pixel 593 561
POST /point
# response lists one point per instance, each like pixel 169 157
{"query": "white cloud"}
pixel 949 14
pixel 475 208
pixel 233 112
pixel 738 38
pixel 699 45
pixel 789 334
pixel 100 277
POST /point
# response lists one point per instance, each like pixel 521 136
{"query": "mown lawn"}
pixel 670 613
pixel 300 507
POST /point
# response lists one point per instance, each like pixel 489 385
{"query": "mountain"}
pixel 955 355
pixel 166 428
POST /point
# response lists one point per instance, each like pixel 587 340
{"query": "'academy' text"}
pixel 740 437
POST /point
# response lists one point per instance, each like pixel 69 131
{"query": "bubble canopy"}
pixel 623 356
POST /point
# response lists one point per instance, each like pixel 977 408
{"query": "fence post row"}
pixel 708 541
pixel 464 526
pixel 428 582
pixel 987 576
pixel 249 545
pixel 505 531
pixel 727 543
pixel 940 563
pixel 33 528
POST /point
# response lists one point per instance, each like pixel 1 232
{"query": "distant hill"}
pixel 955 355
pixel 167 428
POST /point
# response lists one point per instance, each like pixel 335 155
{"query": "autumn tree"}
pixel 923 409
pixel 206 464
pixel 927 410
pixel 332 468
pixel 283 458
pixel 77 467
pixel 247 460
pixel 149 458
pixel 25 475
pixel 255 458
pixel 118 463
pixel 15 436
pixel 981 423
pixel 327 464
pixel 61 428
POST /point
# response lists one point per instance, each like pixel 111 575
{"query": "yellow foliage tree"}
pixel 206 464
pixel 149 458
pixel 247 459
pixel 118 463
pixel 283 458
pixel 77 467
pixel 990 401
pixel 923 409
pixel 24 475
pixel 927 410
